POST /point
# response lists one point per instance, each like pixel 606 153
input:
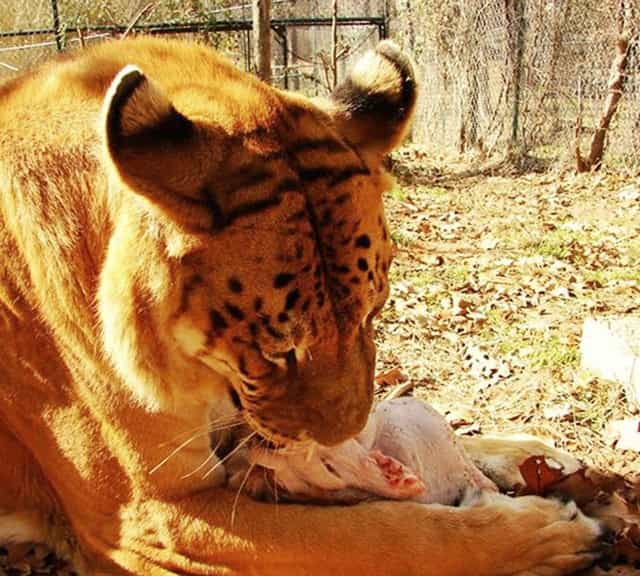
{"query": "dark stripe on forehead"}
pixel 254 208
pixel 325 144
pixel 328 145
pixel 335 176
pixel 247 178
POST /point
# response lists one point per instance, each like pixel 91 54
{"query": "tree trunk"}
pixel 616 87
pixel 262 38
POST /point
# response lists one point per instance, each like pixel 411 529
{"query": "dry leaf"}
pixel 390 378
pixel 540 475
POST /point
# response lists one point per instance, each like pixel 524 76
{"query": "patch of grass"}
pixel 458 274
pixel 402 237
pixel 424 279
pixel 633 249
pixel 556 243
pixel 433 191
pixel 595 401
pixel 395 274
pixel 398 193
pixel 537 348
pixel 553 352
pixel 603 277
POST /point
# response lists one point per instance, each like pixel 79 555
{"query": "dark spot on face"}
pixel 265 319
pixel 363 264
pixel 354 280
pixel 257 304
pixel 299 250
pixel 297 216
pixel 273 332
pixel 340 269
pixel 344 290
pixel 218 323
pixel 384 234
pixel 363 241
pixel 234 311
pixel 326 217
pixel 283 317
pixel 306 304
pixel 253 328
pixel 341 199
pixel 370 276
pixel 307 268
pixel 282 279
pixel 235 285
pixel 292 298
pixel 318 271
pixel 320 299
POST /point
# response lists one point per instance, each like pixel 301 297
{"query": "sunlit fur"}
pixel 172 229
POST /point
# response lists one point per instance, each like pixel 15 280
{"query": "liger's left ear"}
pixel 373 107
pixel 155 149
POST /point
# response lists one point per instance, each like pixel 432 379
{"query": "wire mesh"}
pixel 496 75
pixel 499 74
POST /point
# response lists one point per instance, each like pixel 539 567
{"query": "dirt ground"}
pixel 494 273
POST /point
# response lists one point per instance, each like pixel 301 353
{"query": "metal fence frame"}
pixel 279 26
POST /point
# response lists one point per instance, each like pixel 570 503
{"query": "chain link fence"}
pixel 499 75
pixel 31 31
pixel 496 75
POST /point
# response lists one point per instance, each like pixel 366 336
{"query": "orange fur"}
pixel 175 230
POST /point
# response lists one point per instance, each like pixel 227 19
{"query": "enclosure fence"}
pixel 31 31
pixel 530 75
pixel 496 75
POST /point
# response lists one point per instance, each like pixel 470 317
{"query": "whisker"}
pixel 275 493
pixel 176 450
pixel 208 459
pixel 222 420
pixel 200 466
pixel 240 489
pixel 188 441
pixel 220 462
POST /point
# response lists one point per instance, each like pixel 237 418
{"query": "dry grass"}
pixel 494 274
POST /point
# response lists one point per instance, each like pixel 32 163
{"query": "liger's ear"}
pixel 372 108
pixel 154 148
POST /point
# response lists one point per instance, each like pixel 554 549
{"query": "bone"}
pixel 407 451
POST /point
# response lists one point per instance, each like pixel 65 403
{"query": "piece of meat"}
pixel 406 451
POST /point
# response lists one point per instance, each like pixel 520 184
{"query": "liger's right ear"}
pixel 154 149
pixel 373 107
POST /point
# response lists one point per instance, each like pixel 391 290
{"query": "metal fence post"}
pixel 57 29
pixel 520 23
pixel 262 38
